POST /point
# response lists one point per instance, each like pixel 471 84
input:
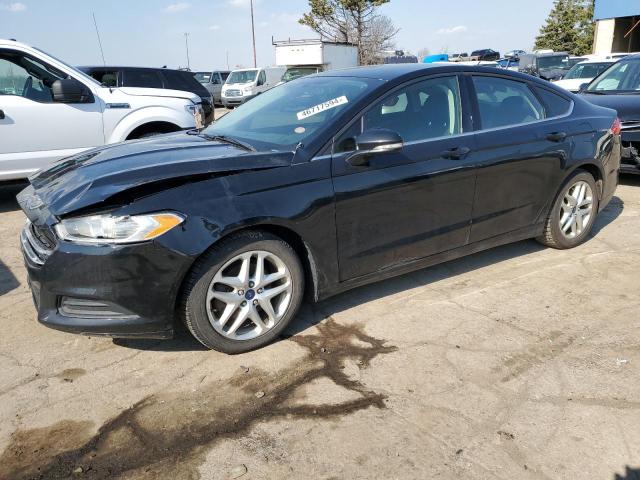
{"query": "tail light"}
pixel 616 128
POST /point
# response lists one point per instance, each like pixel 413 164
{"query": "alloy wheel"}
pixel 576 209
pixel 249 295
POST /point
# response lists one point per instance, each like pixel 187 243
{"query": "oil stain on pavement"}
pixel 164 431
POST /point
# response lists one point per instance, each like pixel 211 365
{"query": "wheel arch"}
pixel 594 170
pixel 293 238
pixel 154 126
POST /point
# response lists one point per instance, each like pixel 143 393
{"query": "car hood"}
pixel 93 177
pixel 627 105
pixel 572 84
pixel 159 92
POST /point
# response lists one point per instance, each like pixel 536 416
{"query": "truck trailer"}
pixel 305 57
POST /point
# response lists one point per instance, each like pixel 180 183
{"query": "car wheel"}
pixel 243 292
pixel 573 213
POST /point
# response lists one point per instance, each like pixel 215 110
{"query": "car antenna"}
pixel 104 63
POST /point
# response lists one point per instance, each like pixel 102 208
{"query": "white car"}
pixel 244 84
pixel 583 72
pixel 50 110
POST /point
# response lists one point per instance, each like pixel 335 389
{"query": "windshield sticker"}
pixel 300 130
pixel 333 103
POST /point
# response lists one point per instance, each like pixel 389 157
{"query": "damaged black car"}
pixel 319 185
pixel 618 87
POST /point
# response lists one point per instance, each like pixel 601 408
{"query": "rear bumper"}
pixel 137 285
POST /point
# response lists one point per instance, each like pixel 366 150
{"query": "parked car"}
pixel 618 87
pixel 319 185
pixel 514 54
pixel 213 82
pixel 458 57
pixel 582 73
pixel 549 66
pixel 485 54
pixel 145 77
pixel 575 60
pixel 244 84
pixel 50 110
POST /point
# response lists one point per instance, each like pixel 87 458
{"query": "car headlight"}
pixel 122 229
pixel 198 114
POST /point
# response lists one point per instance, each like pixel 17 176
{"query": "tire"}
pixel 566 213
pixel 206 297
pixel 149 134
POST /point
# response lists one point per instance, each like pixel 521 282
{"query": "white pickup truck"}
pixel 50 110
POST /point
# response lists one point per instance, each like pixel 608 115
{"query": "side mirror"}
pixel 583 87
pixel 374 142
pixel 70 90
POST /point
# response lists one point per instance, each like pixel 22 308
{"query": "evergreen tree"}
pixel 568 28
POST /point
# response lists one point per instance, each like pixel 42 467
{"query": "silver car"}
pixel 213 81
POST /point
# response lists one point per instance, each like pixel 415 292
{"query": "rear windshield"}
pixel 556 61
pixel 202 77
pixel 587 70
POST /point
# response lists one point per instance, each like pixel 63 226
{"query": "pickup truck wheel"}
pixel 243 292
pixel 150 134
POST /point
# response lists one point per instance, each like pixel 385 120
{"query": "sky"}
pixel 152 32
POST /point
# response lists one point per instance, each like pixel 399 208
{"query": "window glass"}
pixel 423 110
pixel 142 78
pixel 623 76
pixel 505 102
pixel 554 104
pixel 203 77
pixel 24 76
pixel 347 141
pixel 224 76
pixel 106 78
pixel 587 70
pixel 180 81
pixel 215 79
pixel 242 76
pixel 263 78
pixel 294 112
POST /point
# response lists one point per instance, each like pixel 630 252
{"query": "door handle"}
pixel 1 114
pixel 556 136
pixel 457 153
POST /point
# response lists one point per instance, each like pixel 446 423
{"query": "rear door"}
pixel 413 203
pixel 522 143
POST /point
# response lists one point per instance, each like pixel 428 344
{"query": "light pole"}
pixel 186 44
pixel 253 34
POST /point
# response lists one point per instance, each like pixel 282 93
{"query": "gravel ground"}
pixel 516 363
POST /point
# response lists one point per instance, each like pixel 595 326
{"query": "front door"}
pixel 34 130
pixel 413 203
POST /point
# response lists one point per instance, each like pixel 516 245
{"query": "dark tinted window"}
pixel 185 81
pixel 108 78
pixel 504 102
pixel 142 78
pixel 224 75
pixel 423 110
pixel 554 104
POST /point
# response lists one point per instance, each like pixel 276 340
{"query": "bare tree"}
pixel 352 21
pixel 423 52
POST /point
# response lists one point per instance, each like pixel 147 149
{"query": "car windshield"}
pixel 553 62
pixel 242 76
pixel 202 77
pixel 587 70
pixel 620 77
pixel 294 73
pixel 292 112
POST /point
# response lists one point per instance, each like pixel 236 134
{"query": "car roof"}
pixel 116 67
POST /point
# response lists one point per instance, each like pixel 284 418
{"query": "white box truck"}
pixel 304 57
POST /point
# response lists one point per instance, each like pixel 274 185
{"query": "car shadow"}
pixel 8 192
pixel 8 281
pixel 312 314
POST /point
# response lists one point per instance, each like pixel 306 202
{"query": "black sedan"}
pixel 322 184
pixel 619 88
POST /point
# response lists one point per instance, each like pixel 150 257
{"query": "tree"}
pixel 423 52
pixel 568 28
pixel 353 21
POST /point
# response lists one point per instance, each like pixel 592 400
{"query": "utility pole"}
pixel 253 34
pixel 186 43
pixel 227 59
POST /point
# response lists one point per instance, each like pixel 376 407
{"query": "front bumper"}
pixel 235 101
pixel 108 290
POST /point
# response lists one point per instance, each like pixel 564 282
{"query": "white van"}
pixel 50 110
pixel 244 84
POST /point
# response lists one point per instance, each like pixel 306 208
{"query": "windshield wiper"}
pixel 230 140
